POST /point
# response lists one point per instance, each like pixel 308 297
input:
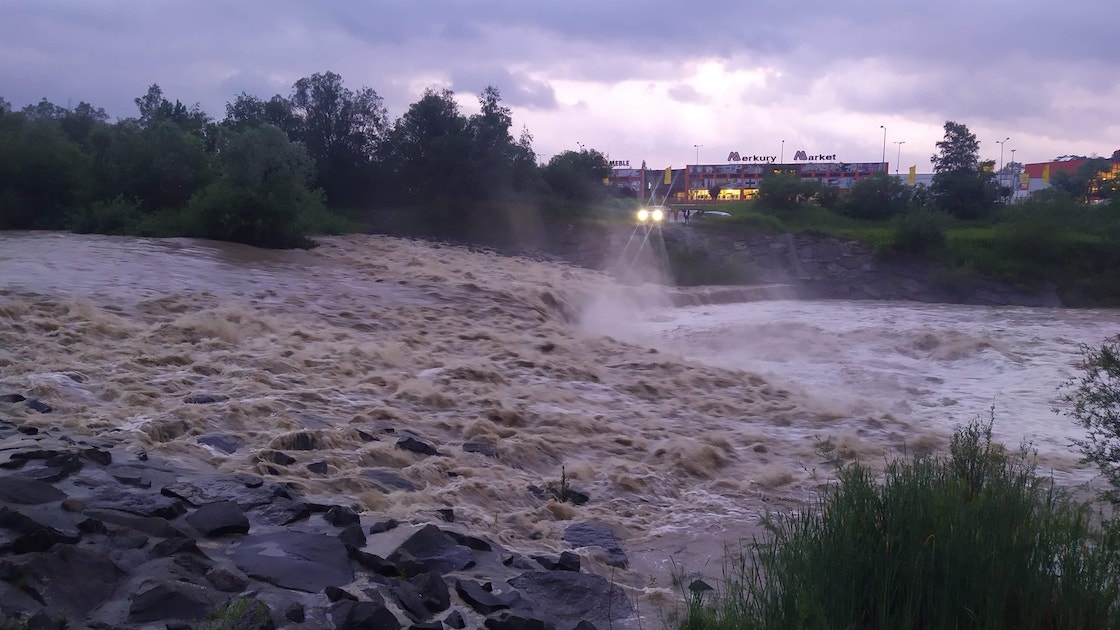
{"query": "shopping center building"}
pixel 1036 177
pixel 738 177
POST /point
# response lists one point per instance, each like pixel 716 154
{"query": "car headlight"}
pixel 643 214
pixel 658 215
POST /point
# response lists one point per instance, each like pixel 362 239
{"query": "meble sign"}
pixel 800 156
pixel 623 163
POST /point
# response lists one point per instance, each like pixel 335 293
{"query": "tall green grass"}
pixel 970 540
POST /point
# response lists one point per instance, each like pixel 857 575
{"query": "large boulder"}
pixel 589 534
pixel 304 562
pixel 572 597
pixel 24 491
pixel 68 578
pixel 172 600
pixel 430 549
pixel 220 518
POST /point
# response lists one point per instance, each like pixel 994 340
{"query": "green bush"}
pixel 261 196
pixel 919 231
pixel 1033 231
pixel 971 540
pixel 115 216
pixel 1093 400
pixel 876 198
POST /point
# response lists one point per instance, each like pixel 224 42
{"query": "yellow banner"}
pixel 913 175
pixel 1024 181
pixel 669 175
pixel 1046 174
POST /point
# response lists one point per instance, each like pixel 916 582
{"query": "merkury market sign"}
pixel 799 156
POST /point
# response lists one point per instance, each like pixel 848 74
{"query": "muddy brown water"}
pixel 684 425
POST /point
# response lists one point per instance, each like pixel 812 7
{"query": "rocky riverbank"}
pixel 94 536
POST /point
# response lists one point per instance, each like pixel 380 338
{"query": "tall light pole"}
pixel 899 158
pixel 1001 143
pixel 1014 185
pixel 697 147
pixel 580 145
pixel 783 160
pixel 884 128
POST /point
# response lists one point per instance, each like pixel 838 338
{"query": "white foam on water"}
pixel 684 425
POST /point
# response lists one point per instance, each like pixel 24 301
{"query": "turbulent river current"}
pixel 683 425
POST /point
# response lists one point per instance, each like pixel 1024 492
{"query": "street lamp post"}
pixel 899 158
pixel 1001 143
pixel 1014 185
pixel 884 128
pixel 783 160
pixel 697 147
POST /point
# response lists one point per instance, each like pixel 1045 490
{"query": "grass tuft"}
pixel 974 539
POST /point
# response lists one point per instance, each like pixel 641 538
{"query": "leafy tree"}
pixel 1093 400
pixel 877 197
pixel 5 106
pixel 960 187
pixel 42 172
pixel 577 176
pixel 261 194
pixel 82 120
pixel 155 109
pixel 341 129
pixel 427 147
pixel 492 146
pixel 500 165
pixel 161 166
pixel 959 150
pixel 1085 181
pixel 714 190
pixel 44 110
pixel 249 111
pixel 525 173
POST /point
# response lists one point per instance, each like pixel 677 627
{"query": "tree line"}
pixel 273 171
pixel 1067 234
pixel 963 187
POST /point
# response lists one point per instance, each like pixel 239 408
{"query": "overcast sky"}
pixel 636 80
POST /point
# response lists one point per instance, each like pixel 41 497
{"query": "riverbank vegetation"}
pixel 326 159
pixel 1067 235
pixel 974 539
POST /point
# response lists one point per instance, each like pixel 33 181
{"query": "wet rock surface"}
pixel 103 538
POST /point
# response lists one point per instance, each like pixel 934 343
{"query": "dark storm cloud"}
pixel 994 62
pixel 517 89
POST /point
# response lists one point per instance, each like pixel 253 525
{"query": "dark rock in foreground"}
pixel 304 562
pixel 105 539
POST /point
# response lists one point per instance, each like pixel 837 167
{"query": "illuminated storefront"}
pixel 739 178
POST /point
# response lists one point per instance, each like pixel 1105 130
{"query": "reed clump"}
pixel 972 539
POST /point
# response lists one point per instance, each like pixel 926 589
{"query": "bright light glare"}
pixel 643 214
pixel 658 215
